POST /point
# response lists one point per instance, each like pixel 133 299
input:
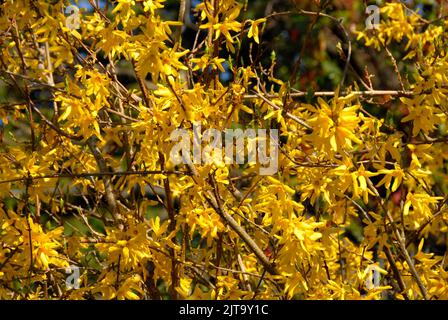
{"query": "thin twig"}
pixel 95 174
pixel 368 93
pixel 289 115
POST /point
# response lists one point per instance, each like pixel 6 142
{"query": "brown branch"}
pixel 344 30
pixel 216 205
pixel 94 174
pixel 16 37
pixel 393 60
pixel 296 69
pixel 401 242
pixel 368 93
pixel 209 197
pixel 246 284
pixel 289 115
pixel 102 165
pixel 396 272
pixel 142 84
pixel 171 228
pixel 181 19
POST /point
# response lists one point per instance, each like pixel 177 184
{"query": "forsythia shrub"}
pixel 356 210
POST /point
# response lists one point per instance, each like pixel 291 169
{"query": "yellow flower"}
pixel 360 186
pixel 204 62
pixel 152 5
pixel 253 30
pixel 396 173
pixel 334 125
pixel 131 288
pixel 421 115
pixel 222 27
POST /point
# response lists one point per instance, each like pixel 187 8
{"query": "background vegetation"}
pixel 357 209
